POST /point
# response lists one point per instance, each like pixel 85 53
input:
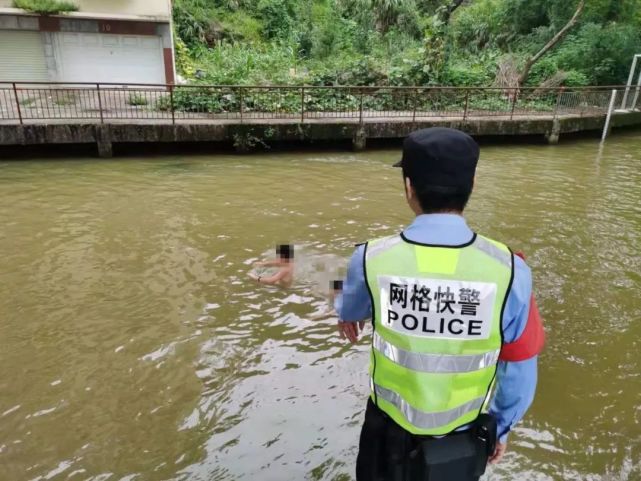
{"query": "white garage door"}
pixel 95 57
pixel 22 57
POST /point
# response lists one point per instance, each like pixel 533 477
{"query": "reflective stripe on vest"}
pixel 437 320
pixel 383 246
pixel 443 363
pixel 425 420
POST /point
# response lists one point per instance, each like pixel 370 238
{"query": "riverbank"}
pixel 257 133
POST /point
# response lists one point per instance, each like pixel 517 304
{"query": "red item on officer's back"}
pixel 532 339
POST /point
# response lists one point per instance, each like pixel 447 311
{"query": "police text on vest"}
pixel 437 308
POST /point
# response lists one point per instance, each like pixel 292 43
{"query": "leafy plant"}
pixel 277 16
pixel 46 7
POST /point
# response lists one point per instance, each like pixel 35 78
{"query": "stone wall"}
pixel 243 135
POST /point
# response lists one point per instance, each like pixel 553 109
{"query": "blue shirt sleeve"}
pixel 516 381
pixel 355 303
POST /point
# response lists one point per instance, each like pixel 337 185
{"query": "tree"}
pixel 511 77
pixel 447 10
pixel 550 45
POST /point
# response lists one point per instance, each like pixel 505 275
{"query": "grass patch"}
pixel 137 100
pixel 242 25
pixel 46 7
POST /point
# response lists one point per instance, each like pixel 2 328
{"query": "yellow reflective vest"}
pixel 437 314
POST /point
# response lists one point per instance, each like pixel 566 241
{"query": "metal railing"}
pixel 112 103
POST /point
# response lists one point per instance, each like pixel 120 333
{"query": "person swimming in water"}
pixel 284 261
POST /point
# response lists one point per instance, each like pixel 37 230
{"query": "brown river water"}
pixel 134 347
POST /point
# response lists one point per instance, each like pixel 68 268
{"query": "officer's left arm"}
pixel 517 368
pixel 354 304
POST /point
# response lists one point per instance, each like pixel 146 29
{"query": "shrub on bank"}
pixel 46 7
pixel 354 42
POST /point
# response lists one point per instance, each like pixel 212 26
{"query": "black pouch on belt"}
pixel 485 427
pixel 485 436
pixel 459 455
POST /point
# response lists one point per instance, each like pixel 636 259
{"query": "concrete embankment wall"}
pixel 246 135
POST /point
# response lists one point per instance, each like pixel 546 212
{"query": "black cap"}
pixel 440 160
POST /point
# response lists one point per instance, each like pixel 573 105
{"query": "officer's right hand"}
pixel 499 451
pixel 350 330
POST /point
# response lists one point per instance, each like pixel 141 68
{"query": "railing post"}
pixel 606 126
pixel 360 108
pixel 515 96
pixel 102 120
pixel 633 106
pixel 467 103
pixel 302 105
pixel 629 83
pixel 558 103
pixel 415 102
pixel 15 93
pixel 171 101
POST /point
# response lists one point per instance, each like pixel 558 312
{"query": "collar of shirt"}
pixel 439 229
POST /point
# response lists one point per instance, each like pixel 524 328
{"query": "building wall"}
pixel 152 8
pixel 158 9
pixel 48 26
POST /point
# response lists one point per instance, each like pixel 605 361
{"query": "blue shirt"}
pixel 516 381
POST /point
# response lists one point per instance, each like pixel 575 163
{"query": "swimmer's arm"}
pixel 275 279
pixel 273 263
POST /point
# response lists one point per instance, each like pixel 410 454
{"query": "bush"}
pixel 191 20
pixel 601 53
pixel 350 71
pixel 46 7
pixel 576 79
pixel 227 100
pixel 201 23
pixel 461 75
pixel 243 64
pixel 204 100
pixel 184 63
pixel 277 18
pixel 477 26
pixel 542 70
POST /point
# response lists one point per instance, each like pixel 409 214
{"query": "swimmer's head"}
pixel 335 289
pixel 285 251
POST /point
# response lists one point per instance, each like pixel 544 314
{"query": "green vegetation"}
pixel 400 42
pixel 137 100
pixel 46 7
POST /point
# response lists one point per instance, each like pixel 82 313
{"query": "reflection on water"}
pixel 135 347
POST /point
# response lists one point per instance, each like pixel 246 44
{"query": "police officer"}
pixel 456 331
